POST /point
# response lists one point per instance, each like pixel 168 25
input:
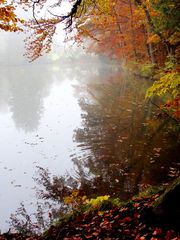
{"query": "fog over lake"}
pixel 81 115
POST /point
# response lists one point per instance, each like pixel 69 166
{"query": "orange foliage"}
pixel 117 32
pixel 173 106
pixel 129 30
pixel 8 19
pixel 41 39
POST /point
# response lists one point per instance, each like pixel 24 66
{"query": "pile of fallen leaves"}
pixel 18 236
pixel 127 222
pixel 110 221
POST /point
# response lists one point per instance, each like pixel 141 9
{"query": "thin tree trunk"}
pixel 122 43
pixel 132 31
pixel 151 53
pixel 150 50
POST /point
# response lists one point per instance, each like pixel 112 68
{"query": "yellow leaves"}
pixel 74 199
pixel 139 12
pixel 113 4
pixel 97 201
pixel 75 193
pixel 174 38
pixel 7 14
pixel 148 2
pixel 154 39
pixel 104 6
pixel 8 19
pixel 169 82
pixel 68 200
pixel 22 21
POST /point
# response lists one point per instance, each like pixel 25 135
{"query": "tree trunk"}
pixel 132 32
pixel 151 25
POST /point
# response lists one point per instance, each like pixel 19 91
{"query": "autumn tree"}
pixel 138 29
pixel 42 26
pixel 113 30
pixel 133 30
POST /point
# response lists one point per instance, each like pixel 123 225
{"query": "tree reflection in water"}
pixel 122 147
pixel 51 191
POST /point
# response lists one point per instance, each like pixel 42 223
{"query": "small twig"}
pixel 34 15
pixel 54 15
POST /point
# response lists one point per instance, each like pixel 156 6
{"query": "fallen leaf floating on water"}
pixel 157 149
pixel 124 138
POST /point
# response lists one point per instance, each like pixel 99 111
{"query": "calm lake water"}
pixel 87 122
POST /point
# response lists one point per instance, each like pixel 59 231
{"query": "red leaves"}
pixel 123 223
pixel 106 225
pixel 173 107
pixel 170 235
pixel 88 236
pixel 126 220
pixel 157 231
pixel 137 215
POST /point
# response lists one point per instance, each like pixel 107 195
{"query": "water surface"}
pixel 89 121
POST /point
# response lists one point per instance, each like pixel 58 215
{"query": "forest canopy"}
pixel 138 31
